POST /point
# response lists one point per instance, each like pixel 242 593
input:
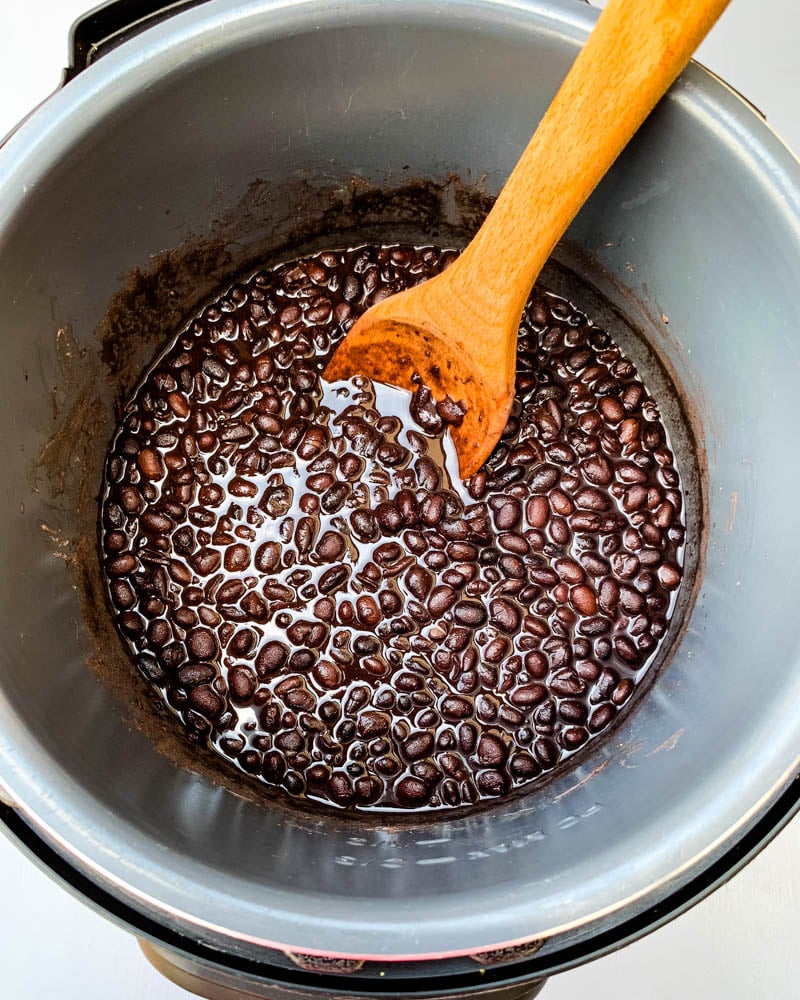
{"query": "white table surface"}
pixel 743 943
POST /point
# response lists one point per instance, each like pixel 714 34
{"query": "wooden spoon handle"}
pixel 634 53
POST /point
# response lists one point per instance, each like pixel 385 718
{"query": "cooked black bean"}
pixel 546 752
pixel 627 651
pixel 418 581
pixel 411 792
pixel 122 593
pixel 121 565
pixel 425 412
pixel 242 684
pixel 202 644
pixel 195 673
pixel 364 525
pixel 334 578
pixel 271 658
pixel 491 752
pixel 505 615
pixel 131 624
pixel 470 613
pixel 507 512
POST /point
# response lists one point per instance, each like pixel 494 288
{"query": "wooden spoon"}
pixel 457 332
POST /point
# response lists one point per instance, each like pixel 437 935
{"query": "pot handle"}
pixel 112 23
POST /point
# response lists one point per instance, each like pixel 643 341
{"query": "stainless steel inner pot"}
pixel 223 128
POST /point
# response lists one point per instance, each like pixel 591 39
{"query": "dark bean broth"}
pixel 304 579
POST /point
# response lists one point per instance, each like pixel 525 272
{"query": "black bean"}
pixel 411 791
pixel 351 288
pixel 514 542
pixel 116 541
pixel 368 611
pixel 424 411
pixel 432 509
pixel 507 513
pixel 242 684
pixel 122 593
pixel 441 599
pixel 419 583
pixel 328 675
pixel 495 652
pixel 235 432
pixel 131 624
pixel 451 412
pixel 307 633
pixel 206 701
pixel 583 600
pixel 573 711
pixel 150 668
pixel 121 565
pixel 512 567
pixel 491 752
pixel 195 673
pixel 365 526
pixel 334 498
pixel 131 499
pixel 598 470
pixel 418 745
pixel 469 613
pixel 206 561
pixel 493 783
pixel 202 644
pixel 601 717
pixel 544 478
pixel 529 695
pixel 243 642
pixel 573 737
pixel 592 499
pixel 302 660
pixel 561 453
pixel 455 708
pixel 333 578
pixel 546 752
pixel 467 737
pixel 215 370
pixel 635 498
pixel 271 658
pixel 523 766
pixel 669 576
pixel 505 615
pixel 627 651
pixel 237 558
pixel 392 455
pixel 625 565
pixel 428 476
pixel 157 523
pixel 331 546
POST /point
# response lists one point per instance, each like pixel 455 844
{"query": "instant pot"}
pixel 194 140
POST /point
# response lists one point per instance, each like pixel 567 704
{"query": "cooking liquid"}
pixel 302 576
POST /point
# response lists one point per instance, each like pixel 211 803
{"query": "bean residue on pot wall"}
pixel 301 574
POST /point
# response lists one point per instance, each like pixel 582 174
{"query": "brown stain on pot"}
pixel 669 744
pixel 584 781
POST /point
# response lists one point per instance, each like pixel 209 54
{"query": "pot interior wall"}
pixel 198 148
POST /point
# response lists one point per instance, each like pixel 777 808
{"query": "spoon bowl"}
pixel 400 343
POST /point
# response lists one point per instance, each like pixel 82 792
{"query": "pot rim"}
pixel 145 56
pixel 739 854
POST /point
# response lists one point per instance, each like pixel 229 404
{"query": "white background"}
pixel 741 944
